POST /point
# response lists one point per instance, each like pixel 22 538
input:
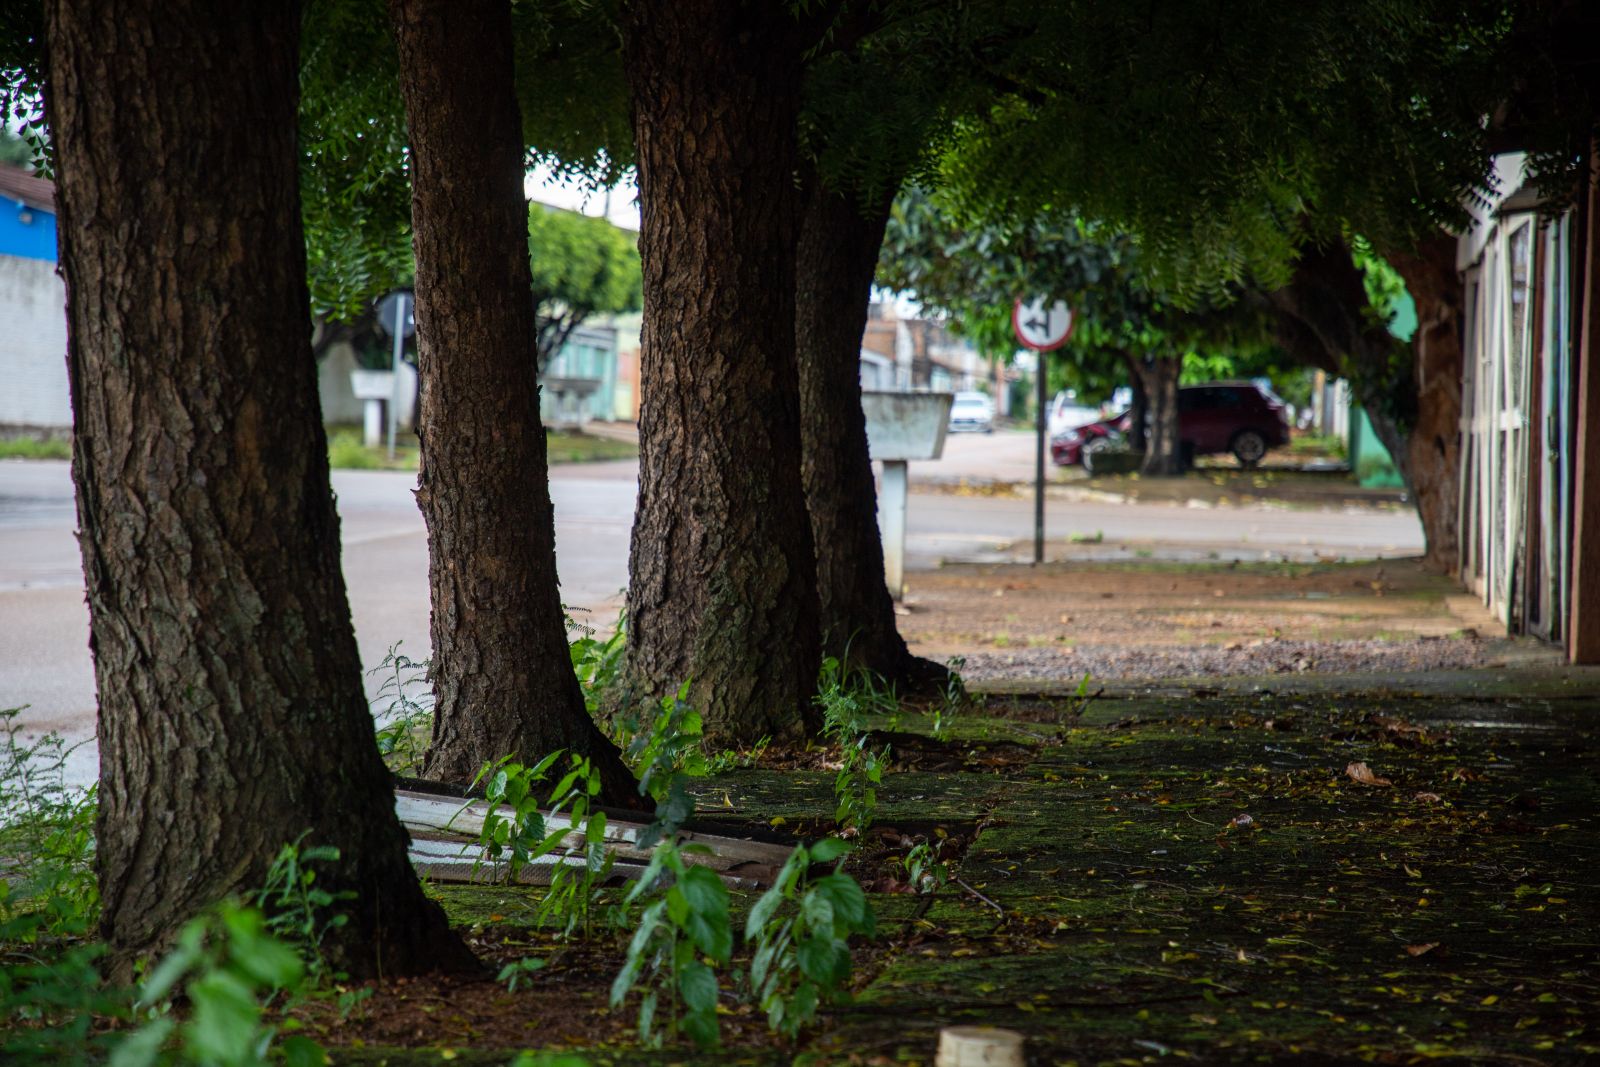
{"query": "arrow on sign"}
pixel 1042 324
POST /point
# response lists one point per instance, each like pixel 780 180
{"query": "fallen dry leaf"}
pixel 1361 774
pixel 1423 949
pixel 1428 798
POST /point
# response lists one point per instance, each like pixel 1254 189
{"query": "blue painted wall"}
pixel 26 232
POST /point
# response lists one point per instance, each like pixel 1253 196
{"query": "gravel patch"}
pixel 1132 662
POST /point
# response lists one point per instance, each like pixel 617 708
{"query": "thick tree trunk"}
pixel 502 672
pixel 838 257
pixel 1323 320
pixel 1163 455
pixel 722 589
pixel 1139 410
pixel 231 712
pixel 1433 450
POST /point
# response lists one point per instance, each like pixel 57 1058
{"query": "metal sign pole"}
pixel 1042 326
pixel 1043 419
pixel 394 368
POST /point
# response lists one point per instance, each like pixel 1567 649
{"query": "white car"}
pixel 972 412
pixel 1067 414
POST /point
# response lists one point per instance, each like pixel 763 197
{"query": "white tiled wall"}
pixel 33 345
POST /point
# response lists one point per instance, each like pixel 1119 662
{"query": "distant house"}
pixel 915 354
pixel 587 367
pixel 34 400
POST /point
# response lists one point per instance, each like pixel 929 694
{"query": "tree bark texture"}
pixel 502 671
pixel 838 256
pixel 722 589
pixel 231 712
pixel 1139 409
pixel 1433 448
pixel 1323 320
pixel 1163 455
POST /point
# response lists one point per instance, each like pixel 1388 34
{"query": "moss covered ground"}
pixel 1237 874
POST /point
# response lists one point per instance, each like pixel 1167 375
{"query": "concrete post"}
pixel 892 520
pixel 372 422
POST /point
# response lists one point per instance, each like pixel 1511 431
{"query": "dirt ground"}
pixel 1060 621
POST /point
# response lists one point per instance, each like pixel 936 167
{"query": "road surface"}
pixel 44 659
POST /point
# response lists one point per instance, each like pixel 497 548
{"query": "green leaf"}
pixel 703 1029
pixel 704 890
pixel 765 908
pixel 622 984
pixel 817 910
pixel 301 1051
pixel 222 1030
pixel 170 970
pixel 539 769
pixel 824 961
pixel 827 850
pixel 647 1015
pixel 848 900
pixel 711 934
pixel 761 963
pixel 143 1046
pixel 697 984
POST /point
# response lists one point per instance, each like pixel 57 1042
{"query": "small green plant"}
pixel 46 834
pixel 521 833
pixel 404 725
pixel 596 661
pixel 671 744
pixel 232 969
pixel 519 972
pixel 50 988
pixel 299 912
pixel 514 834
pixel 846 699
pixel 800 931
pixel 926 871
pixel 683 933
pixel 954 698
pixel 664 753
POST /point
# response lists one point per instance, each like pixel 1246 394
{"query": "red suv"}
pixel 1237 417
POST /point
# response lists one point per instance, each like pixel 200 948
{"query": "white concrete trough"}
pixel 901 427
pixel 570 400
pixel 444 832
pixel 373 388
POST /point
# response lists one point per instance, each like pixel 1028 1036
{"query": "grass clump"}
pixel 33 448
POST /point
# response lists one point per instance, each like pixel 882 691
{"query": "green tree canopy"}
pixel 582 266
pixel 1225 134
pixel 975 272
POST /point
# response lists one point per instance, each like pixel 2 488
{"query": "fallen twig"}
pixel 979 895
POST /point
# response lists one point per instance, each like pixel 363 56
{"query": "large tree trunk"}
pixel 722 589
pixel 502 672
pixel 1324 320
pixel 1139 409
pixel 838 256
pixel 1163 454
pixel 1433 449
pixel 231 713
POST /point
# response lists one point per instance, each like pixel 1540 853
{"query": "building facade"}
pixel 34 397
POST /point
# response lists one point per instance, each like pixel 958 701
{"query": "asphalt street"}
pixel 44 657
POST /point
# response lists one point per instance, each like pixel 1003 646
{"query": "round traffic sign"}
pixel 1042 324
pixel 400 305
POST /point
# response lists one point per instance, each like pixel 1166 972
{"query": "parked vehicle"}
pixel 1066 413
pixel 1237 417
pixel 972 413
